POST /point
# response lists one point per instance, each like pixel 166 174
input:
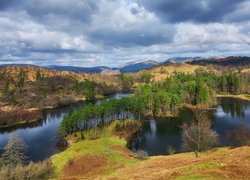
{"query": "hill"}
pixel 128 67
pixel 108 158
pixel 137 66
pixel 230 62
pixel 183 59
pixel 26 89
pixel 166 69
pixel 215 65
pixel 97 70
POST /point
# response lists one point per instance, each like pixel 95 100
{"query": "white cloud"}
pixel 110 32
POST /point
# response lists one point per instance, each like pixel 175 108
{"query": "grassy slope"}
pixel 159 73
pixel 218 163
pixel 222 163
pixel 100 147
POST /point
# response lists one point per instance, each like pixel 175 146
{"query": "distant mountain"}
pixel 231 61
pixel 20 65
pixel 137 66
pixel 182 59
pixel 129 67
pixel 97 69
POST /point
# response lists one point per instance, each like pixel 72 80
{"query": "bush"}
pixel 170 150
pixel 41 170
pixel 70 162
pixel 118 127
pixel 239 137
pixel 82 136
pixel 142 155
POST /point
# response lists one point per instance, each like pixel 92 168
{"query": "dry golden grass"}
pixel 240 96
pixel 117 162
pixel 161 72
pixel 222 163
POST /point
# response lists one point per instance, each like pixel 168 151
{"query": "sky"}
pixel 112 32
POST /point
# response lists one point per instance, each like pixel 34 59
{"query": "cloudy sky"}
pixel 111 32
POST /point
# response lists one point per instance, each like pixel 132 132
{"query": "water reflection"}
pixel 156 135
pixel 234 107
pixel 42 137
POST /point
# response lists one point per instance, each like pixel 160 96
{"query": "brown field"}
pixel 216 164
pixel 87 166
pixel 221 163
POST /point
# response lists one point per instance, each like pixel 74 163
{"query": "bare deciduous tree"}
pixel 198 135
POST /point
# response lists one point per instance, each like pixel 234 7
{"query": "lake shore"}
pixel 240 96
pixel 21 121
pixel 108 157
pixel 109 148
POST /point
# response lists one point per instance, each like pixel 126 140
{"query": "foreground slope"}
pixel 108 158
pixel 222 163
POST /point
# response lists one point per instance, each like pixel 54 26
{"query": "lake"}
pixel 41 137
pixel 156 135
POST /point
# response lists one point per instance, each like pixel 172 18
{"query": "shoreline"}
pixel 27 122
pixel 98 97
pixel 108 142
pixel 240 96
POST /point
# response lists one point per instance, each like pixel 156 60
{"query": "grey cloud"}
pixel 140 37
pixel 195 11
pixel 104 32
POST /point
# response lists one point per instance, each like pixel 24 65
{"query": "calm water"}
pixel 155 135
pixel 42 137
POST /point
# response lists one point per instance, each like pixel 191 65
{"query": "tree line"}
pixel 149 98
pixel 154 98
pixel 101 114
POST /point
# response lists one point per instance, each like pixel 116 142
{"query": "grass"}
pixel 240 96
pixel 219 163
pixel 101 146
pixel 196 171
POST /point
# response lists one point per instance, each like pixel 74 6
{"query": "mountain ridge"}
pixel 134 66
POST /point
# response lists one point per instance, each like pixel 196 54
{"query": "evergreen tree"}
pixel 14 152
pixel 89 90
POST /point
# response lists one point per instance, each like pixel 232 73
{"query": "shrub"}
pixel 239 137
pixel 142 155
pixel 170 150
pixel 82 136
pixel 41 170
pixel 70 162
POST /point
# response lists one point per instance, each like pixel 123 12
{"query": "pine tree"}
pixel 14 152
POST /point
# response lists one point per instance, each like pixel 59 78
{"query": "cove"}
pixel 156 134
